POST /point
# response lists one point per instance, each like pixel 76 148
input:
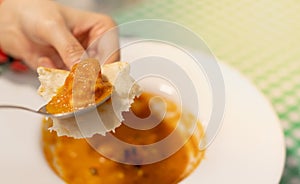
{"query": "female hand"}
pixel 44 33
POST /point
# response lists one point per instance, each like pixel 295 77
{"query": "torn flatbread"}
pixel 106 117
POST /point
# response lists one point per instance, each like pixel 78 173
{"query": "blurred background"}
pixel 259 38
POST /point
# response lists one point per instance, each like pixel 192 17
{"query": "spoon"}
pixel 43 111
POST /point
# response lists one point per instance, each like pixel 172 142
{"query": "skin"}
pixel 45 33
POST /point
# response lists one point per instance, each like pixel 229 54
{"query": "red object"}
pixel 14 64
pixel 3 56
pixel 18 66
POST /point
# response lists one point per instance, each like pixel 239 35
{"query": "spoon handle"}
pixel 21 108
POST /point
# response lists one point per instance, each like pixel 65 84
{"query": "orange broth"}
pixel 77 162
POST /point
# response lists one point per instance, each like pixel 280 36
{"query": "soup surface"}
pixel 91 161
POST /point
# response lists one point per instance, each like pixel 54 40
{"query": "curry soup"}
pixel 77 162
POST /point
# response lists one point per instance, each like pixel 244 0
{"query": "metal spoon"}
pixel 42 110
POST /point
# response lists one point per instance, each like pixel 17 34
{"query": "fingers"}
pixel 107 40
pixel 87 27
pixel 42 56
pixel 51 59
pixel 59 36
pixel 97 32
pixel 67 46
pixel 46 62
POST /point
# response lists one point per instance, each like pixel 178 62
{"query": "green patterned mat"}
pixel 259 38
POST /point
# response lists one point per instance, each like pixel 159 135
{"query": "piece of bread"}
pixel 50 79
pixel 106 117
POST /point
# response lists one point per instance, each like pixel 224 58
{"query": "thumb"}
pixel 68 47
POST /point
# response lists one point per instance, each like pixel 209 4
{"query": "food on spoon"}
pixel 85 85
